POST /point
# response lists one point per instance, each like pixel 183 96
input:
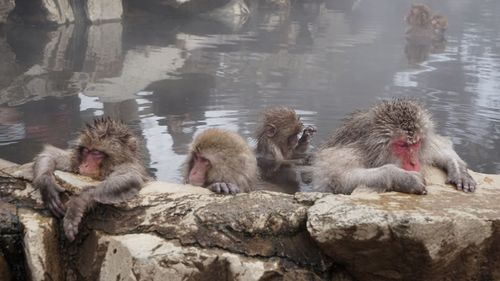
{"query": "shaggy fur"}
pixel 359 152
pixel 231 159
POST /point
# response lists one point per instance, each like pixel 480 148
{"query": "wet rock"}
pixel 103 10
pixel 446 235
pixel 41 246
pixel 58 11
pixel 6 6
pixel 11 253
pixel 149 257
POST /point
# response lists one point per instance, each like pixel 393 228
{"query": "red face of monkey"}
pixel 91 162
pixel 199 169
pixel 407 152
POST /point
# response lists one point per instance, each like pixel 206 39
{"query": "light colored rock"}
pixel 58 11
pixel 396 236
pixel 136 257
pixel 6 6
pixel 41 247
pixel 103 10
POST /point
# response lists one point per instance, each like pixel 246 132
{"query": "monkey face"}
pixel 199 170
pixel 407 152
pixel 90 164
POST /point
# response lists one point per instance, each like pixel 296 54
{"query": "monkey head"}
pixel 419 15
pixel 439 23
pixel 218 155
pixel 104 144
pixel 401 127
pixel 281 126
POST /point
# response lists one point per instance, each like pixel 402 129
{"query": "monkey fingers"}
pixel 224 188
pixel 50 195
pixel 463 182
pixel 73 217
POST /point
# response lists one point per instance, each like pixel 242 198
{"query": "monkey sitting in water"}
pixel 107 151
pixel 279 148
pixel 423 22
pixel 221 161
pixel 386 148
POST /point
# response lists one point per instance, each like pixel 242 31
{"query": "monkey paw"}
pixel 224 188
pixel 72 219
pixel 411 182
pixel 463 181
pixel 308 132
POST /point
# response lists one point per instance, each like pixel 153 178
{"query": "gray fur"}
pixel 359 152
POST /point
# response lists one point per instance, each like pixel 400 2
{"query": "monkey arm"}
pixel 122 184
pixel 49 160
pixel 445 157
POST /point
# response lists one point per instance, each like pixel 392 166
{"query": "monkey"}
pixel 221 161
pixel 423 22
pixel 279 147
pixel 107 151
pixel 387 148
pixel 425 33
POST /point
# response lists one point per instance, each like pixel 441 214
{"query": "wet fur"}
pixel 232 160
pixel 122 172
pixel 359 152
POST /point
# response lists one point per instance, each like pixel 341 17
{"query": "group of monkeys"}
pixel 384 148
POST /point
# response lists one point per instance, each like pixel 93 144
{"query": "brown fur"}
pixel 121 171
pixel 359 152
pixel 231 159
pixel 423 22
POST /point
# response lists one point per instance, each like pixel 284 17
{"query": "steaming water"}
pixel 170 79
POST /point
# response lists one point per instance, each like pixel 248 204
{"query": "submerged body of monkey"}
pixel 107 151
pixel 425 33
pixel 386 148
pixel 221 161
pixel 279 147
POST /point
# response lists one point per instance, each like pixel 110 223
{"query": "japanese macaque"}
pixel 279 147
pixel 423 22
pixel 425 33
pixel 107 151
pixel 387 148
pixel 221 161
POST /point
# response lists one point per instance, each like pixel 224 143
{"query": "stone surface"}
pixel 11 253
pixel 41 246
pixel 58 11
pixel 99 10
pixel 446 235
pixel 181 232
pixel 6 6
pixel 148 257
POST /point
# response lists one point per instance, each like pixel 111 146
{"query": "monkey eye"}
pixel 97 153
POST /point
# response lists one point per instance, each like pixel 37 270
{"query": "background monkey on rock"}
pixel 386 148
pixel 107 151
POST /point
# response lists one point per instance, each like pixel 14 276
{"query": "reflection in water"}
pixel 171 78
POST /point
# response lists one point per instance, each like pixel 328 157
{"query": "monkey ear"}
pixel 270 130
pixel 132 143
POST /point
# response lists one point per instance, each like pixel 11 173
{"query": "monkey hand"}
pixel 307 134
pixel 462 180
pixel 74 214
pixel 224 188
pixel 410 182
pixel 50 194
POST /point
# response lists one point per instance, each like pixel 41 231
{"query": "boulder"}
pixel 445 235
pixel 6 6
pixel 99 10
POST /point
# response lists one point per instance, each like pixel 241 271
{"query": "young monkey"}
pixel 221 161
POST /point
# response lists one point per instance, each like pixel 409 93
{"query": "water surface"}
pixel 171 78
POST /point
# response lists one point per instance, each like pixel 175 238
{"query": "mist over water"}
pixel 172 78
